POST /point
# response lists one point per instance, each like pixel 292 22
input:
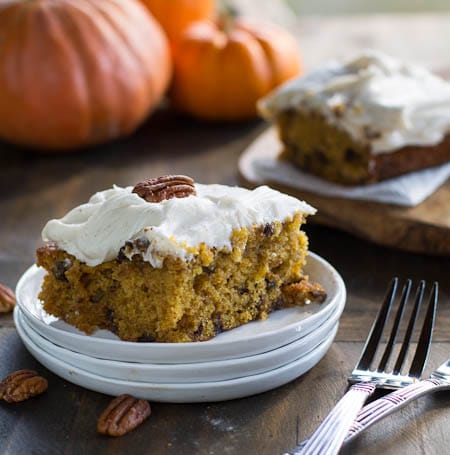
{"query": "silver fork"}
pixel 328 438
pixel 438 381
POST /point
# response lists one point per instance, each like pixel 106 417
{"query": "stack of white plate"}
pixel 254 358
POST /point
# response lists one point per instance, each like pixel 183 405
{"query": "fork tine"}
pixel 423 346
pixel 394 331
pixel 376 331
pixel 412 321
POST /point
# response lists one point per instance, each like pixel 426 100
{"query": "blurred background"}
pixel 339 7
pixel 414 30
pixel 329 7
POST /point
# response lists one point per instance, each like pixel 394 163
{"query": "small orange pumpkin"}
pixel 176 15
pixel 78 72
pixel 220 71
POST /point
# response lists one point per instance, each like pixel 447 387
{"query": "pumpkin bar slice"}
pixel 174 261
pixel 363 121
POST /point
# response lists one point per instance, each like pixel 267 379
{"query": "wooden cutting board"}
pixel 424 228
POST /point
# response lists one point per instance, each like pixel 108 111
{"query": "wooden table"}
pixel 35 188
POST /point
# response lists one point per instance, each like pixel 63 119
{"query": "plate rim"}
pixel 190 392
pixel 257 362
pixel 295 329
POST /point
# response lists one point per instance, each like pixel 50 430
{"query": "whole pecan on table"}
pixel 122 415
pixel 165 187
pixel 7 299
pixel 21 385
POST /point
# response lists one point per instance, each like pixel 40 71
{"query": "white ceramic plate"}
pixel 182 372
pixel 282 327
pixel 182 392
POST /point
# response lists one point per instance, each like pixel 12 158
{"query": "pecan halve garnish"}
pixel 122 415
pixel 7 299
pixel 165 187
pixel 21 385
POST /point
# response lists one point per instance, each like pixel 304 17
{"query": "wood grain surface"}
pixel 35 188
pixel 424 228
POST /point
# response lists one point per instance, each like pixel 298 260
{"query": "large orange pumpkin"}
pixel 78 72
pixel 220 72
pixel 176 15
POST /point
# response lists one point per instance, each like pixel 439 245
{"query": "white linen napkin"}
pixel 407 190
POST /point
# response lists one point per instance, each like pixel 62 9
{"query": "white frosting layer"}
pixel 96 231
pixel 377 99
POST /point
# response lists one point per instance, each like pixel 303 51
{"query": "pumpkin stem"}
pixel 227 15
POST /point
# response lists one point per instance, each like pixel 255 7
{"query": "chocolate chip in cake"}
pixel 321 157
pixel 318 295
pixel 218 323
pixel 242 291
pixel 260 304
pixel 277 305
pixel 112 326
pixel 146 338
pixel 268 230
pixel 199 331
pixel 208 270
pixel 270 284
pixel 351 156
pixel 308 162
pixel 121 256
pixel 125 250
pixel 142 244
pixel 60 269
pixel 97 296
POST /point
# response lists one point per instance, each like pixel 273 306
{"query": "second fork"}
pixel 329 436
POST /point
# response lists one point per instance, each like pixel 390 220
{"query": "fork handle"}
pixel 388 404
pixel 328 438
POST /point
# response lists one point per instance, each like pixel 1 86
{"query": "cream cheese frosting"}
pixel 96 231
pixel 377 99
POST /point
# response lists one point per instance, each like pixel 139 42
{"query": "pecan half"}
pixel 7 299
pixel 21 385
pixel 122 415
pixel 165 187
pixel 301 292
